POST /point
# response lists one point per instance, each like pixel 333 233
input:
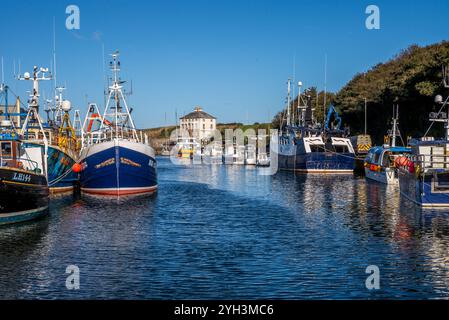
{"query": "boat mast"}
pixel 288 102
pixel 121 119
pixel 395 120
pixel 33 105
pixel 300 109
pixel 325 87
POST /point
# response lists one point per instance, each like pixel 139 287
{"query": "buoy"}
pixel 76 168
pixel 411 167
pixel 401 161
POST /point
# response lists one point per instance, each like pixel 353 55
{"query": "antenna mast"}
pixel 325 86
pixel 288 102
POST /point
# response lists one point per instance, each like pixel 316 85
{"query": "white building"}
pixel 199 124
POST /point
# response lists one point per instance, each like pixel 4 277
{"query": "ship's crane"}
pixel 332 111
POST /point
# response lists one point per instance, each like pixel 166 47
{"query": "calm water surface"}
pixel 224 232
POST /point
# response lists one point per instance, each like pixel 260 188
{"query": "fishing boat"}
pixel 213 153
pixel 239 156
pixel 198 156
pixel 165 150
pixel 165 147
pixel 250 155
pixel 306 147
pixel 115 160
pixel 186 147
pixel 424 173
pixel 62 148
pixel 380 163
pixel 23 181
pixel 229 150
pixel 263 160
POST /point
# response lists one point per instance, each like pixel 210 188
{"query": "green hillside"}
pixel 411 79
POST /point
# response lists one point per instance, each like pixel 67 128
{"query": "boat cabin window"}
pixel 387 159
pixel 341 149
pixel 376 157
pixel 316 148
pixel 6 150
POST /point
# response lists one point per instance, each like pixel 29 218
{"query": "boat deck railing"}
pixel 95 137
pixel 20 163
pixel 432 162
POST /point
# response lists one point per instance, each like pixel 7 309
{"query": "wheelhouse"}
pixel 385 156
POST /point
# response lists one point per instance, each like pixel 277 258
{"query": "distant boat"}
pixel 115 160
pixel 306 147
pixel 198 156
pixel 380 161
pixel 251 152
pixel 186 147
pixel 23 176
pixel 239 156
pixel 165 150
pixel 229 150
pixel 213 153
pixel 263 160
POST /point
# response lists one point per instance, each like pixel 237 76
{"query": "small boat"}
pixel 229 150
pixel 424 173
pixel 213 153
pixel 165 151
pixel 115 159
pixel 239 156
pixel 263 160
pixel 198 156
pixel 250 155
pixel 187 147
pixel 23 180
pixel 380 163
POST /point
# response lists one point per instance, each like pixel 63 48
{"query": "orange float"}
pixel 76 168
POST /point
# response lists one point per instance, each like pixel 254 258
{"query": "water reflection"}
pixel 226 232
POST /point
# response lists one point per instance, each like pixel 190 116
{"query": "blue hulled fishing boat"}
pixel 115 160
pixel 424 173
pixel 306 147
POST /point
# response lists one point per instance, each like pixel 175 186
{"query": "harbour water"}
pixel 226 232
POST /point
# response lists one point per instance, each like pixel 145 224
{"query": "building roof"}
pixel 198 114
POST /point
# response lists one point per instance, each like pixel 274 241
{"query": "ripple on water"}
pixel 225 232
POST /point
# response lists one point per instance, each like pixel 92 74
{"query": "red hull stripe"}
pixel 119 192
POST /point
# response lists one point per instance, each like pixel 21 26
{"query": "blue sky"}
pixel 230 57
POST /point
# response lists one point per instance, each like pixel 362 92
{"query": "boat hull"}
pixel 422 189
pixel 61 177
pixel 318 162
pixel 117 168
pixel 23 195
pixel 386 176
